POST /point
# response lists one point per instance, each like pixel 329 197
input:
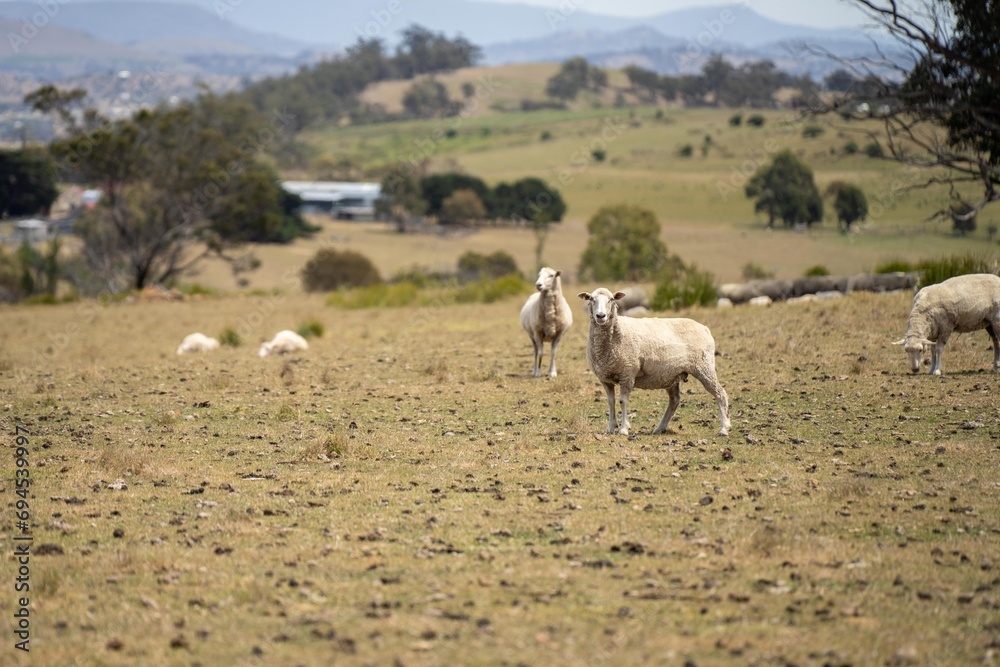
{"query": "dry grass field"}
pixel 404 493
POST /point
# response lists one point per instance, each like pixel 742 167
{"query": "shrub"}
pixel 476 266
pixel 375 296
pixel 490 291
pixel 933 271
pixel 818 270
pixel 736 119
pixel 753 271
pixel 687 150
pixel 311 328
pixel 811 131
pixel 331 269
pixel 598 154
pixel 851 147
pixel 874 149
pixel 894 266
pixel 684 286
pixel 230 338
pixel 545 136
pixel 756 120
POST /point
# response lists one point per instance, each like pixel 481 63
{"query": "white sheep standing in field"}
pixel 961 304
pixel 197 342
pixel 546 317
pixel 284 342
pixel 648 353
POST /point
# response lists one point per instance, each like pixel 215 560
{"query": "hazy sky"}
pixel 818 13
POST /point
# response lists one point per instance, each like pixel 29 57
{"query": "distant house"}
pixel 31 230
pixel 340 199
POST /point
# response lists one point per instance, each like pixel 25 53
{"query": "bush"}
pixel 545 136
pixel 736 119
pixel 476 266
pixel 753 271
pixel 490 291
pixel 933 271
pixel 375 296
pixel 755 120
pixel 687 150
pixel 684 286
pixel 230 338
pixel 311 328
pixel 818 270
pixel 331 269
pixel 598 154
pixel 894 266
pixel 851 147
pixel 811 131
pixel 874 149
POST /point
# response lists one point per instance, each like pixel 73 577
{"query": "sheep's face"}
pixel 265 349
pixel 915 348
pixel 602 305
pixel 546 279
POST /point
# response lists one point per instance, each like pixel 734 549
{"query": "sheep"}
pixel 197 342
pixel 648 353
pixel 963 304
pixel 546 317
pixel 283 342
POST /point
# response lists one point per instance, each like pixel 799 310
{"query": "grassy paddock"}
pixel 405 493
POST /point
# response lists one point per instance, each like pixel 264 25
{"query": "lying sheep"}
pixel 648 353
pixel 284 342
pixel 963 304
pixel 546 317
pixel 197 342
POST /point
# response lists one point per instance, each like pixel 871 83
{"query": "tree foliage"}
pixel 575 75
pixel 175 180
pixel 940 109
pixel 27 182
pixel 462 207
pixel 785 190
pixel 849 202
pixel 623 243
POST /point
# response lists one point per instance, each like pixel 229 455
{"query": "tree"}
pixel 331 269
pixel 462 207
pixel 575 75
pixel 623 244
pixel 840 80
pixel 401 198
pixel 849 202
pixel 532 201
pixel 177 184
pixel 27 183
pixel 428 99
pixel 785 189
pixel 944 118
pixel 438 187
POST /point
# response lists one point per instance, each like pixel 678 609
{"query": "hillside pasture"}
pixel 405 493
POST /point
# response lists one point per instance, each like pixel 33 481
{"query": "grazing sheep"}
pixel 546 317
pixel 648 353
pixel 197 342
pixel 284 342
pixel 963 304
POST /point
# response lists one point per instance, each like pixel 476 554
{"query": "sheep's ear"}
pixel 584 295
pixel 558 273
pixel 619 295
pixel 898 342
pixel 928 342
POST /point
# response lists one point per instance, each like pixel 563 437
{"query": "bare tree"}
pixel 938 98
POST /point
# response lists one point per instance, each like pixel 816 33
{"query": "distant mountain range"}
pixel 231 41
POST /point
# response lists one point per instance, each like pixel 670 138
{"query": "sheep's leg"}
pixel 674 392
pixel 552 356
pixel 936 351
pixel 712 385
pixel 991 329
pixel 625 388
pixel 609 391
pixel 536 367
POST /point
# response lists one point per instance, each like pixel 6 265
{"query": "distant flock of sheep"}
pixel 627 351
pixel 283 342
